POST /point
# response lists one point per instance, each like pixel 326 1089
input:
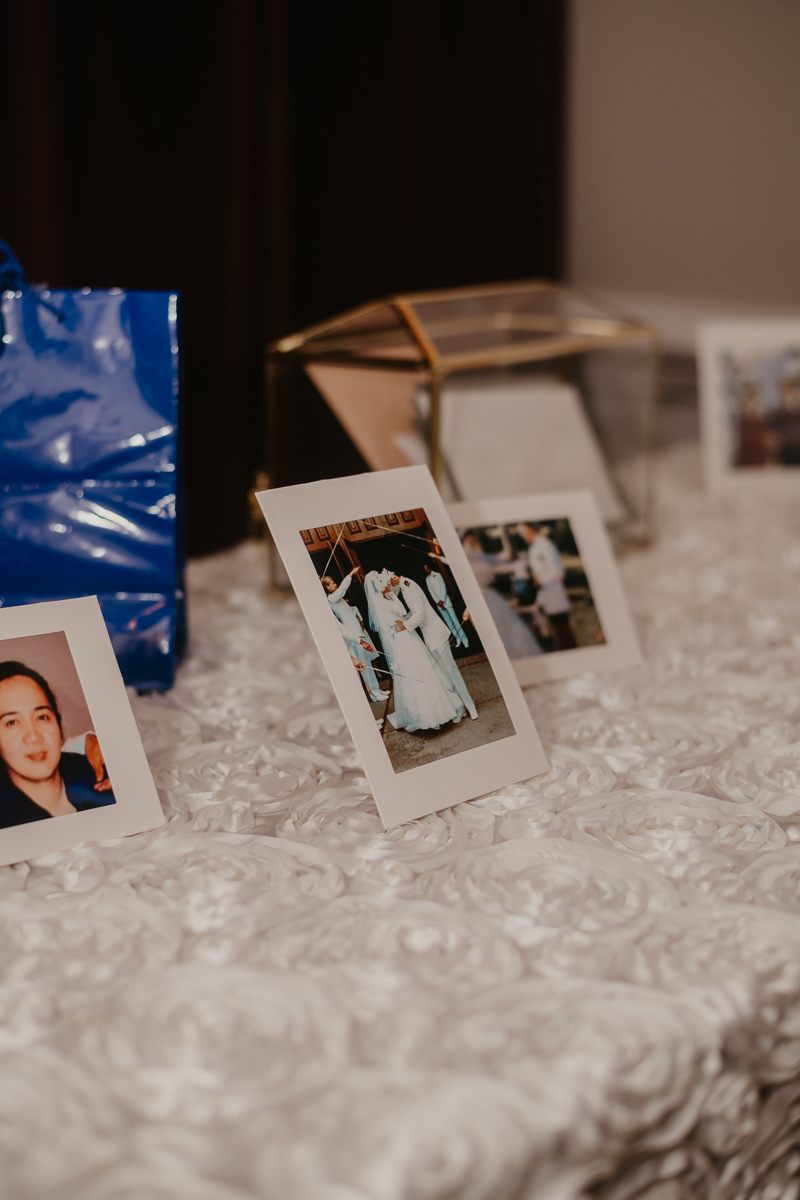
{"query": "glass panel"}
pixel 481 322
pixel 376 408
pixel 617 385
pixel 374 333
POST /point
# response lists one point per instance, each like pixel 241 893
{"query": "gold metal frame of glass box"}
pixel 440 333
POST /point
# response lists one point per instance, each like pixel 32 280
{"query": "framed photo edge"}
pixel 413 793
pixel 137 808
pixel 621 648
pixel 711 337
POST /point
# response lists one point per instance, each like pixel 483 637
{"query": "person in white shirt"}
pixel 434 581
pixel 436 636
pixel 362 651
pixel 547 570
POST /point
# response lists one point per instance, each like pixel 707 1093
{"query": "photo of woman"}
pixel 42 774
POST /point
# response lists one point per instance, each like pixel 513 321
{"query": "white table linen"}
pixel 588 979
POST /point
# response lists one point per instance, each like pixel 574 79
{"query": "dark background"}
pixel 277 162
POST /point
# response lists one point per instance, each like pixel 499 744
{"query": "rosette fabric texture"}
pixel 587 983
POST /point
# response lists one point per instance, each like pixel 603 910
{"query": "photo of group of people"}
pixel 535 585
pixel 51 761
pixel 762 403
pixel 410 637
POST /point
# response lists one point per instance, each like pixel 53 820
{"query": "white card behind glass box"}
pixel 95 689
pixel 597 615
pixel 319 529
pixel 517 435
pixel 499 435
pixel 749 373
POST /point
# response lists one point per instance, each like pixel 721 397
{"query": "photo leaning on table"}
pixel 750 401
pixel 72 764
pixel 410 636
pixel 426 687
pixel 546 569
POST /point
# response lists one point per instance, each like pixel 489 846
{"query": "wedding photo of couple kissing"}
pixel 408 631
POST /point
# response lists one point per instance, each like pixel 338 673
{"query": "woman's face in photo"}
pixel 30 738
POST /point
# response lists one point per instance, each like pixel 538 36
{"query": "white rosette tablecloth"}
pixel 589 982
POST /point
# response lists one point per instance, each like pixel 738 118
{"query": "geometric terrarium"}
pixel 502 389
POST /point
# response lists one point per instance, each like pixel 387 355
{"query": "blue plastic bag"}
pixel 89 481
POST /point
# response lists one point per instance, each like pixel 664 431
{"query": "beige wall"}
pixel 684 148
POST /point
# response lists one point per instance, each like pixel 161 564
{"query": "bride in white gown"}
pixel 423 697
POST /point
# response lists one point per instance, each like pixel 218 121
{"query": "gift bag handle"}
pixel 14 279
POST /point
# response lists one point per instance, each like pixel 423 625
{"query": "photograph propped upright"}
pixel 546 569
pixel 72 764
pixel 426 687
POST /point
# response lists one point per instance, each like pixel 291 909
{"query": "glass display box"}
pixel 501 389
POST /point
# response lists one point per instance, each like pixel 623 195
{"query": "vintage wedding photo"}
pixel 410 637
pixel 51 760
pixel 535 585
pixel 545 566
pixel 762 397
pixel 750 399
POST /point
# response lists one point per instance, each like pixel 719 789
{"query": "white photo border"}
pixel 450 780
pixel 137 806
pixel 767 334
pixel 621 648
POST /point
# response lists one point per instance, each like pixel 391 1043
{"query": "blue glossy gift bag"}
pixel 89 481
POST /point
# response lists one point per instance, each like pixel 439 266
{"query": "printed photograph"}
pixel 761 391
pixel 51 760
pixel 535 584
pixel 422 666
